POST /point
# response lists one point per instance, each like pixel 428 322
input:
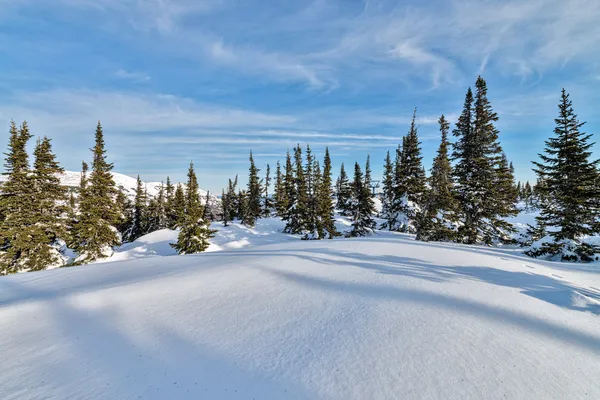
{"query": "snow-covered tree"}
pixel 570 188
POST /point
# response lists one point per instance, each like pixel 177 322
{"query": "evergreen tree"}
pixel 311 197
pixel 297 213
pixel 254 196
pixel 170 213
pixel 229 201
pixel 326 210
pixel 178 209
pixel 289 185
pixel 387 198
pixel 195 232
pixel 343 193
pixel 438 218
pixel 361 206
pixel 478 171
pixel 140 212
pixel 368 179
pixel 570 180
pixel 268 203
pixel 125 207
pixel 409 182
pixel 98 213
pixel 18 202
pixel 281 200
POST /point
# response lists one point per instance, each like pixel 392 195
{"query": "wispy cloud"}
pixel 134 76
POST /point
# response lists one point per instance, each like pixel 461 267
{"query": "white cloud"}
pixel 134 76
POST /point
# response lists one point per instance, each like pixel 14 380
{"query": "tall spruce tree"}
pixel 343 192
pixel 140 212
pixel 311 196
pixel 478 170
pixel 387 198
pixel 296 214
pixel 438 220
pixel 50 209
pixel 409 182
pixel 98 213
pixel 18 200
pixel 361 206
pixel 268 202
pixel 178 210
pixel 281 199
pixel 253 211
pixel 195 232
pixel 325 201
pixel 570 189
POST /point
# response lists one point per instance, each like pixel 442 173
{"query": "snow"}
pixel 273 317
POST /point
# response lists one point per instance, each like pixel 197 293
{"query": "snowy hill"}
pixel 384 317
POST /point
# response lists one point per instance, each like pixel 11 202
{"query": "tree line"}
pixel 466 198
pixel 40 219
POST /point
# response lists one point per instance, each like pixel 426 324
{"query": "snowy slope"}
pixel 379 318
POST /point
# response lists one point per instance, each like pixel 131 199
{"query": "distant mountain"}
pixel 126 183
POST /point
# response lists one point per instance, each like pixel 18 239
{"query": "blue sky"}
pixel 180 80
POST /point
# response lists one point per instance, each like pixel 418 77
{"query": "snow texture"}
pixel 384 317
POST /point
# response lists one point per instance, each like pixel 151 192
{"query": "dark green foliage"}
pixel 437 220
pixel 157 218
pixel 195 232
pixel 325 211
pixel 361 206
pixel 268 202
pixel 281 199
pixel 253 211
pixel 387 198
pixel 98 214
pixel 140 212
pixel 229 202
pixel 343 192
pixel 289 184
pixel 409 183
pixel 297 213
pixel 479 170
pixel 178 208
pixel 18 196
pixel 569 187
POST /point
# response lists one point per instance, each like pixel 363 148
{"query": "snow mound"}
pixel 384 317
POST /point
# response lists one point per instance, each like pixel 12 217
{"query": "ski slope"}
pixel 379 318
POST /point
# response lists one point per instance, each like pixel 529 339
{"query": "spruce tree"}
pixel 343 192
pixel 289 185
pixel 311 196
pixel 268 202
pixel 361 206
pixel 478 171
pixel 178 207
pixel 438 220
pixel 281 199
pixel 325 201
pixel 409 182
pixel 253 211
pixel 387 198
pixel 98 213
pixel 297 213
pixel 140 211
pixel 50 208
pixel 570 178
pixel 195 232
pixel 18 202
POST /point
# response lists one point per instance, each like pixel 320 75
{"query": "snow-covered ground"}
pixel 273 317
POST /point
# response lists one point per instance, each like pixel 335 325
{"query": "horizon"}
pixel 177 81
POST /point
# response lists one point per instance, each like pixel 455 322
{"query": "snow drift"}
pixel 374 318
